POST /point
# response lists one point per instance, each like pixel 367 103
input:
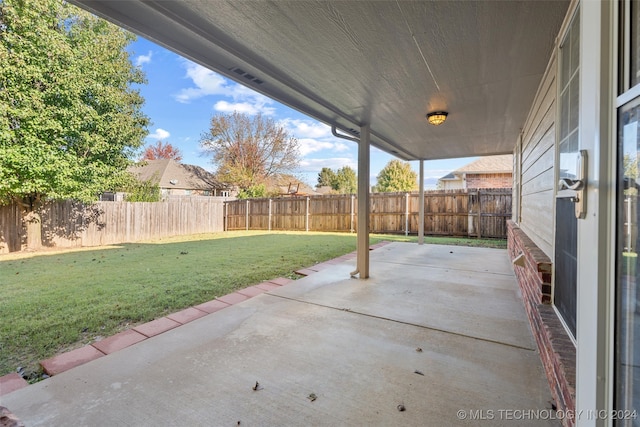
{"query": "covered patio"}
pixel 436 336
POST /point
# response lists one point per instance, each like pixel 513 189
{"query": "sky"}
pixel 181 97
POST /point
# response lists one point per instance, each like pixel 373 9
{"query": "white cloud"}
pixel 159 134
pixel 208 83
pixel 244 107
pixel 315 165
pixel 313 136
pixel 305 128
pixel 308 146
pixel 205 82
pixel 230 107
pixel 143 59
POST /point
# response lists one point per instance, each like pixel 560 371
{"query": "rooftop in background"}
pixel 485 172
pixel 169 173
pixel 489 164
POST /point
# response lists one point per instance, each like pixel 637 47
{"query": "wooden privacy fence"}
pixel 71 224
pixel 479 213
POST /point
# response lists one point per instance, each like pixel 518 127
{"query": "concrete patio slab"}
pixel 119 341
pixel 345 341
pixel 463 290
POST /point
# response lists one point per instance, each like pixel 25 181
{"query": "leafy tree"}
pixel 249 149
pixel 326 177
pixel 143 191
pixel 162 150
pixel 258 190
pixel 346 181
pixel 396 176
pixel 70 121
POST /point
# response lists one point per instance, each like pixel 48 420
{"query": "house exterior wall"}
pixel 537 165
pixel 531 241
pixel 451 184
pixel 477 180
pixel 489 180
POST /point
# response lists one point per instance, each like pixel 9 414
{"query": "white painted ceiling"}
pixel 386 63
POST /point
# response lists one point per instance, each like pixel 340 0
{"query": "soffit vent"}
pixel 246 75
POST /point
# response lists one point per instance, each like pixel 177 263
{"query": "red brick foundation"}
pixel 557 352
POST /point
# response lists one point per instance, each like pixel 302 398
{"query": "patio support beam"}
pixel 362 260
pixel 421 205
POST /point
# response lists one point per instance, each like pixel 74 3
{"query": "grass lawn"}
pixel 55 301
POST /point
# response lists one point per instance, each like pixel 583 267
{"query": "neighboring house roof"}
pixel 449 176
pixel 169 173
pixel 488 164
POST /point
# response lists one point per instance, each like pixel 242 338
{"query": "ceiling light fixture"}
pixel 437 117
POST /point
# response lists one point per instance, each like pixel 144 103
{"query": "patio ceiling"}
pixel 386 63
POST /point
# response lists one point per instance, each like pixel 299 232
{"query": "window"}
pixel 566 225
pixel 569 100
pixel 627 330
pixel 627 307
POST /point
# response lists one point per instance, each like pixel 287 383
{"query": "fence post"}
pixel 270 201
pixel 306 217
pixel 225 218
pixel 246 216
pixel 406 214
pixel 479 214
pixel 353 198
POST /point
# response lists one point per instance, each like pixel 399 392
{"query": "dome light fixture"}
pixel 437 117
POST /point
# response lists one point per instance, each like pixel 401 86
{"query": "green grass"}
pixel 55 301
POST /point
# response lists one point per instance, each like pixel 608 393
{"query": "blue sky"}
pixel 181 97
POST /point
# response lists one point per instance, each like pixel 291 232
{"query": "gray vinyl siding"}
pixel 538 158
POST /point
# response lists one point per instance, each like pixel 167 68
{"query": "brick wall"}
pixel 489 180
pixel 557 352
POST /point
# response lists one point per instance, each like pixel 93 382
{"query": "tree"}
pixel 343 180
pixel 630 167
pixel 143 191
pixel 70 121
pixel 326 177
pixel 346 181
pixel 258 190
pixel 162 150
pixel 396 176
pixel 249 149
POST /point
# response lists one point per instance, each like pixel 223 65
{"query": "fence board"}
pixel 70 224
pixel 453 212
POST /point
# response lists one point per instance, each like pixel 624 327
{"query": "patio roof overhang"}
pixel 381 63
